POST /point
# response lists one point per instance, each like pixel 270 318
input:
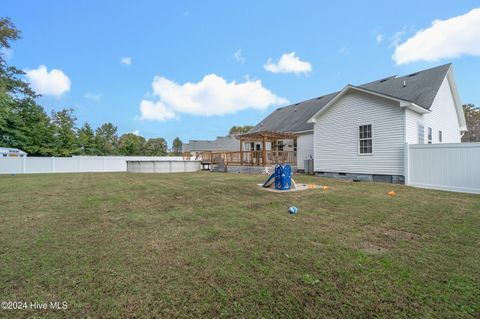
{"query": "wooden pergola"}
pixel 255 157
pixel 268 157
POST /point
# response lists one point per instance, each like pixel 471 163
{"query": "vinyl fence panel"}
pixel 453 167
pixel 78 164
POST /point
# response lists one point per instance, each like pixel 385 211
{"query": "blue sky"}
pixel 213 43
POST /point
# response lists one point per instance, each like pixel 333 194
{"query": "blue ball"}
pixel 293 210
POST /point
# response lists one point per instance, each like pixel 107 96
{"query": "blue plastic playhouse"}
pixel 281 178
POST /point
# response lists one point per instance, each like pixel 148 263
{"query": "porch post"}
pixel 295 150
pixel 241 152
pixel 264 152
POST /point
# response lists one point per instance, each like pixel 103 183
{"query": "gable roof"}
pixel 420 88
pixel 293 118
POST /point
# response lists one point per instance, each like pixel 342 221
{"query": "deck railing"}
pixel 250 158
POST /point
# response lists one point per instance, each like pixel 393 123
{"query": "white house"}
pixel 12 152
pixel 361 131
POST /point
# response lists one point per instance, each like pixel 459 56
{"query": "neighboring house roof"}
pixel 222 143
pixel 421 88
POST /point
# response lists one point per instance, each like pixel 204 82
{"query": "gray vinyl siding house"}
pixel 361 131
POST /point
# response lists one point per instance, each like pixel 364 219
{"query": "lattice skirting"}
pixel 255 170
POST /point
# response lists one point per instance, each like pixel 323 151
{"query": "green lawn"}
pixel 214 245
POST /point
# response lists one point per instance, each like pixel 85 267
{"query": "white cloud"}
pixel 210 96
pixel 379 38
pixel 44 82
pixel 136 132
pixel 126 60
pixel 397 37
pixel 444 39
pixel 92 96
pixel 344 51
pixel 238 56
pixel 288 63
pixel 156 111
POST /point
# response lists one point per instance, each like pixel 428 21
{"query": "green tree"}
pixel 472 117
pixel 37 129
pixel 237 130
pixel 106 139
pixel 156 147
pixel 24 125
pixel 66 143
pixel 10 121
pixel 131 144
pixel 10 81
pixel 177 146
pixel 86 140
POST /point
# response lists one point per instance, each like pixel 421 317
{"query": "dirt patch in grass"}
pixel 373 249
pixel 401 234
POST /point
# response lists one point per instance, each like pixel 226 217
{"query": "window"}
pixel 430 133
pixel 421 134
pixel 280 145
pixel 440 136
pixel 365 139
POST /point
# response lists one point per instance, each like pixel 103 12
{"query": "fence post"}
pixel 406 164
pixel 24 164
pixel 53 164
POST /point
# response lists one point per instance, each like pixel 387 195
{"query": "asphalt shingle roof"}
pixel 222 143
pixel 421 89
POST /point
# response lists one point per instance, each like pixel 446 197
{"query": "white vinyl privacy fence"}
pixel 76 164
pixel 453 167
pixel 153 166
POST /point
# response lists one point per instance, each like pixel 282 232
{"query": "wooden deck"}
pixel 250 158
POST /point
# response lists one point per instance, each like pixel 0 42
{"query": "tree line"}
pixel 24 124
pixel 472 118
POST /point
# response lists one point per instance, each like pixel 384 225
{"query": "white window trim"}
pixel 358 140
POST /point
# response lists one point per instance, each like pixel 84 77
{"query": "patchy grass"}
pixel 213 245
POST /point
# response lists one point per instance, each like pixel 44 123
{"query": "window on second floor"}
pixel 440 136
pixel 430 135
pixel 365 143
